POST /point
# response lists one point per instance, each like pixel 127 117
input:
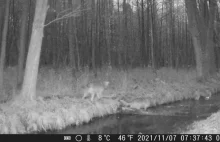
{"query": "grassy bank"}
pixel 59 102
pixel 211 125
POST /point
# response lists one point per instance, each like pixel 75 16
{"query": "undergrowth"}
pixel 59 100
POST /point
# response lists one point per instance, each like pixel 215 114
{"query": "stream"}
pixel 169 118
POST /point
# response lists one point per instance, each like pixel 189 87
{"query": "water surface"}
pixel 170 118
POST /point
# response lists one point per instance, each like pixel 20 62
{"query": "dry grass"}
pixel 52 114
pixel 134 89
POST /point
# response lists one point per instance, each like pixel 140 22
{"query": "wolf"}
pixel 95 89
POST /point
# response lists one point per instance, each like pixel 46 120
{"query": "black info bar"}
pixel 113 137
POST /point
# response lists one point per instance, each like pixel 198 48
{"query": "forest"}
pixel 151 52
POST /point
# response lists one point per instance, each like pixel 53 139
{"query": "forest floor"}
pixel 59 100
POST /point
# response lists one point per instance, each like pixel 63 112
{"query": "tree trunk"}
pixel 108 30
pixel 201 24
pixel 32 63
pixel 93 26
pixel 1 20
pixel 22 42
pixel 161 45
pixel 141 26
pixel 77 47
pixel 3 45
pixel 125 33
pixel 120 36
pixel 151 34
pixel 72 63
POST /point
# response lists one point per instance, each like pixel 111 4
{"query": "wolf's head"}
pixel 106 83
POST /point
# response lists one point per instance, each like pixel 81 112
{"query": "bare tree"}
pixel 3 44
pixel 141 26
pixel 125 31
pixel 120 35
pixel 71 33
pixel 30 77
pixel 201 16
pixel 22 41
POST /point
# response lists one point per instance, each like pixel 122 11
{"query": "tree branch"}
pixel 71 14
